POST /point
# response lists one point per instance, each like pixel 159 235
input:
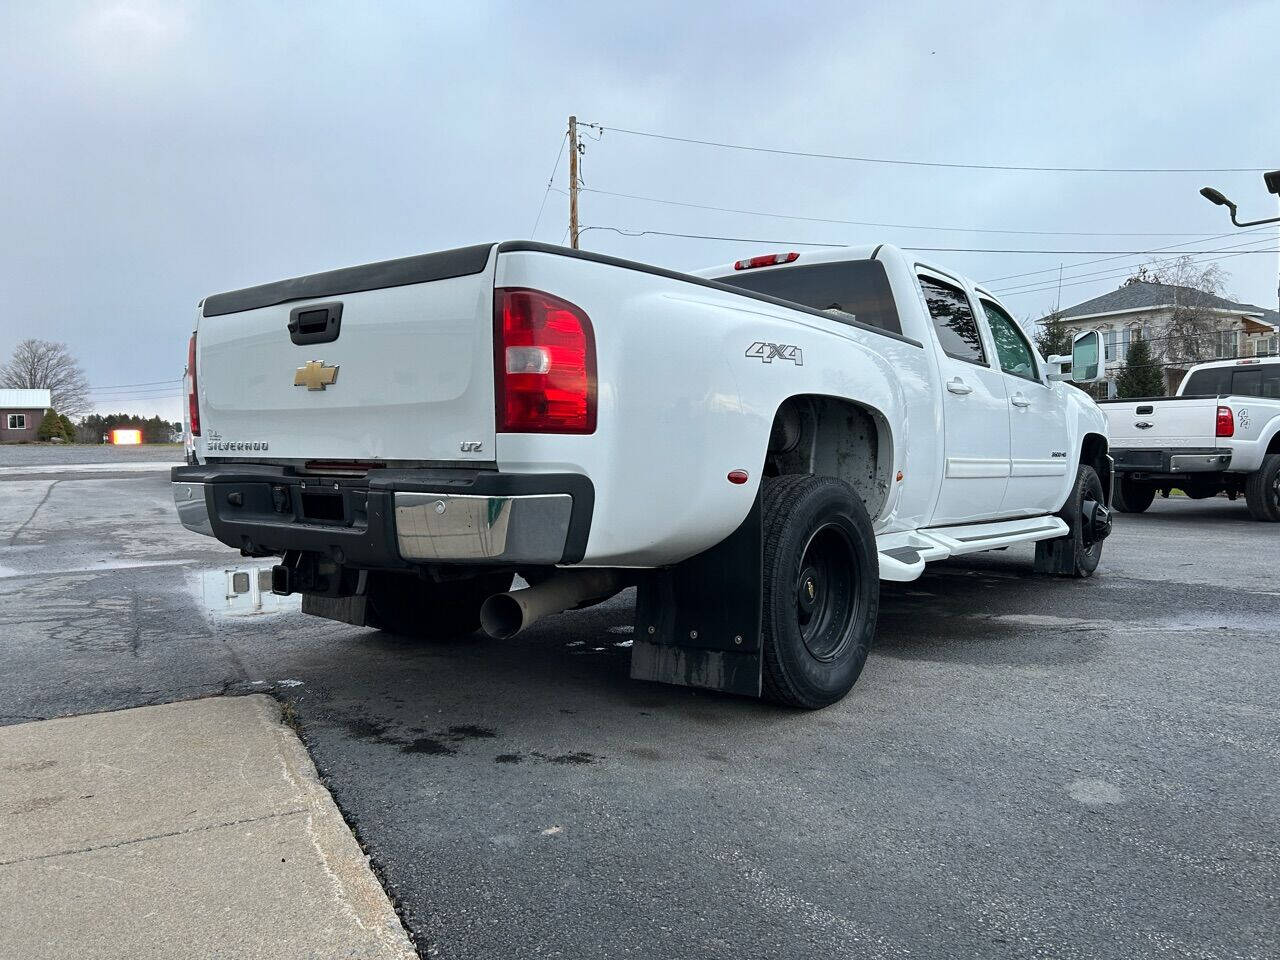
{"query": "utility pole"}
pixel 573 182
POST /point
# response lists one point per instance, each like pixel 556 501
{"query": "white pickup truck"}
pixel 1219 433
pixel 755 447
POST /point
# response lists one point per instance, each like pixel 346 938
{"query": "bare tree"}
pixel 44 365
pixel 1189 337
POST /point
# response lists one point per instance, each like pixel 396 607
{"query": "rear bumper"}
pixel 390 518
pixel 1171 460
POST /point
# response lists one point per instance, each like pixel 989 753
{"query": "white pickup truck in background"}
pixel 1219 434
pixel 756 447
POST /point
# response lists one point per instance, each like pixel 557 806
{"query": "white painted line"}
pixel 131 466
pixel 106 566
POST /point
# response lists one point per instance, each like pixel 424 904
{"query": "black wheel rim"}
pixel 826 596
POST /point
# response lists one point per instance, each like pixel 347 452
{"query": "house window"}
pixel 17 421
pixel 1226 344
pixel 1265 346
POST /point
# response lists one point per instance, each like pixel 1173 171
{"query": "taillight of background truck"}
pixel 1226 423
pixel 544 364
pixel 193 405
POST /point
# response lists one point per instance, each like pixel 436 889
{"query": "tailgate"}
pixel 388 361
pixel 1174 422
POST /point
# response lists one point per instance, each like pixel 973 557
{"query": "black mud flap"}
pixel 352 610
pixel 698 623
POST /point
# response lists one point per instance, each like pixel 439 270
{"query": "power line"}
pixel 550 180
pixel 1086 263
pixel 892 226
pixel 700 236
pixel 801 243
pixel 148 383
pixel 1112 275
pixel 920 163
pixel 1132 265
pixel 140 395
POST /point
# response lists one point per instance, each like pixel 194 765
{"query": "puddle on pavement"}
pixel 243 592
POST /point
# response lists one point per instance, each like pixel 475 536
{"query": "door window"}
pixel 953 321
pixel 1012 349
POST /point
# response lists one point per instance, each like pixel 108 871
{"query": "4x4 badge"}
pixel 767 352
pixel 315 375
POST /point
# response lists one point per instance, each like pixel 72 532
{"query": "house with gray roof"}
pixel 1145 310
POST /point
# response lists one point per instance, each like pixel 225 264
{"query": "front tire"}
pixel 1131 497
pixel 1262 490
pixel 1078 553
pixel 821 588
pixel 414 607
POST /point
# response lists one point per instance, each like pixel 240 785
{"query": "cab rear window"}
pixel 848 291
pixel 1211 382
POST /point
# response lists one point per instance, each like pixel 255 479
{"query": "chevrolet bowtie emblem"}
pixel 315 375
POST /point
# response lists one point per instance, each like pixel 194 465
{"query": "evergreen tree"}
pixel 50 427
pixel 1141 375
pixel 1051 336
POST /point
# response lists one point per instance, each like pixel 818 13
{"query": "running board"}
pixel 903 555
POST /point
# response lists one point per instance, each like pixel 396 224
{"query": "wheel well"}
pixel 831 437
pixel 1274 445
pixel 1093 451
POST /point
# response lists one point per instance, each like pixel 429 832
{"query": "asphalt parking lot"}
pixel 1027 768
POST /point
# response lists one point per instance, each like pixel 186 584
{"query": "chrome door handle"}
pixel 956 385
pixel 1018 400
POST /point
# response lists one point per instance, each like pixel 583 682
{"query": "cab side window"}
pixel 1012 349
pixel 953 321
pixel 1258 382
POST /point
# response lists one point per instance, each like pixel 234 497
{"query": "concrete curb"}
pixel 189 829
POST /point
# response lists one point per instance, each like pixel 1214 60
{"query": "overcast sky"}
pixel 158 152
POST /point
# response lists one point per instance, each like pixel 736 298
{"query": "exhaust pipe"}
pixel 505 614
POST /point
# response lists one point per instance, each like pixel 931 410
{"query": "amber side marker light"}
pixel 126 438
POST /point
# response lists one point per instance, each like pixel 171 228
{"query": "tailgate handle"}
pixel 1145 410
pixel 315 323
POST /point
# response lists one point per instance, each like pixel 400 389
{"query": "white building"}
pixel 1143 310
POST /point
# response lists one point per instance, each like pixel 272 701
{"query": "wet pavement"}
pixel 1027 768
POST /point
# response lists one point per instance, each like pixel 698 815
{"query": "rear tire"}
pixel 1078 553
pixel 1262 490
pixel 1131 497
pixel 408 605
pixel 821 589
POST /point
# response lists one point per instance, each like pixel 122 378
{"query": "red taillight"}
pixel 544 364
pixel 768 260
pixel 1226 423
pixel 193 405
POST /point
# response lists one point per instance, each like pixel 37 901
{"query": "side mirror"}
pixel 1086 358
pixel 1084 365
